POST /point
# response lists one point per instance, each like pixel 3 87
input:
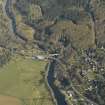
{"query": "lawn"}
pixel 22 78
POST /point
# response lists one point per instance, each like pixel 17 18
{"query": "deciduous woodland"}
pixel 72 29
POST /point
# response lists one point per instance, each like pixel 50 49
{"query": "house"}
pixel 39 57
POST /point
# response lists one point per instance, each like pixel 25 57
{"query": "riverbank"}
pixel 58 97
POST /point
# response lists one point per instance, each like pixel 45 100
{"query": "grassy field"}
pixel 23 79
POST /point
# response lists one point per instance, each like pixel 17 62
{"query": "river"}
pixel 57 95
pixel 10 14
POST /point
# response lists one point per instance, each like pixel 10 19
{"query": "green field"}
pixel 22 78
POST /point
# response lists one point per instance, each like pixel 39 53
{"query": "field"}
pixel 23 79
pixel 4 100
